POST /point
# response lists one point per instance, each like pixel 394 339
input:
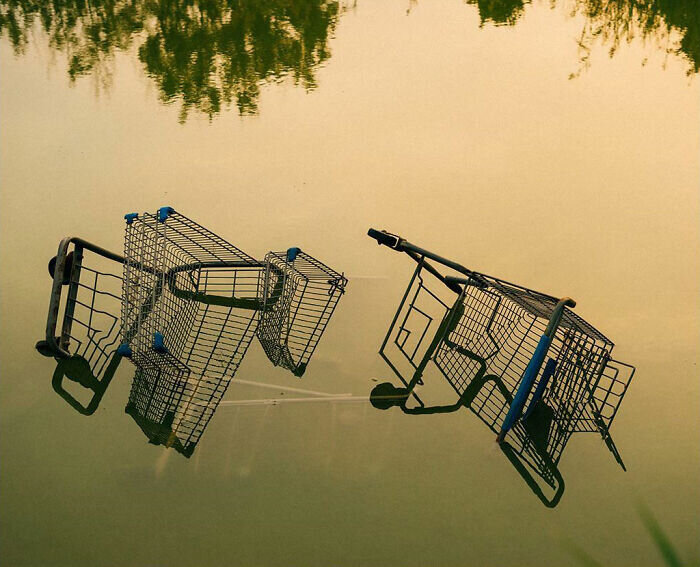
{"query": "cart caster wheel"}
pixel 386 395
pixel 67 269
pixel 44 349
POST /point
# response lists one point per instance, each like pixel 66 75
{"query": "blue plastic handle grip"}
pixel 526 383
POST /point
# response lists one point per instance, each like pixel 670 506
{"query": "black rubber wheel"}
pixel 66 269
pixel 44 349
pixel 386 395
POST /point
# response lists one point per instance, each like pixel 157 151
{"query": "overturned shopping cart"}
pixel 82 327
pixel 530 368
pixel 190 304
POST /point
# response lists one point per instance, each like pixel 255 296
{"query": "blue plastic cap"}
pixel 164 213
pixel 130 217
pixel 292 254
pixel 124 350
pixel 159 342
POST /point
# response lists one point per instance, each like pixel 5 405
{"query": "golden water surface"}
pixel 553 144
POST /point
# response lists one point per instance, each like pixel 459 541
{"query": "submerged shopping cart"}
pixel 82 327
pixel 530 368
pixel 190 304
pixel 300 295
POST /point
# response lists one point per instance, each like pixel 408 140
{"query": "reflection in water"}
pixel 614 22
pixel 207 55
pixel 499 12
pixel 534 447
pixel 529 451
pixel 87 286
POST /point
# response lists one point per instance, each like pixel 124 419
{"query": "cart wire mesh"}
pixel 496 338
pixel 193 301
pixel 90 327
pixel 82 330
pixel 290 329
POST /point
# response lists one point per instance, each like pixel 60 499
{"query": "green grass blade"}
pixel 662 542
pixel 583 557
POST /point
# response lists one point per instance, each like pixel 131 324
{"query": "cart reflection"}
pixel 529 448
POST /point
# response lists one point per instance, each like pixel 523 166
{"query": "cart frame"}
pixel 591 408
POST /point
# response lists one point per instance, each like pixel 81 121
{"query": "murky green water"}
pixel 555 145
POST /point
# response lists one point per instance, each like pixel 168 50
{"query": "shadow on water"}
pixel 209 56
pixel 532 448
pixel 205 55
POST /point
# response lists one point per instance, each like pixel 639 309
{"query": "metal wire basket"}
pixel 508 352
pixel 191 307
pixel 290 328
pixel 498 335
pixel 190 304
pixel 82 328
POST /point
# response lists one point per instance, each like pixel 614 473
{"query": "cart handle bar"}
pixel 400 245
pixel 387 239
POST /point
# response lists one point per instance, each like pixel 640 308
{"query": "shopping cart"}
pixel 193 313
pixel 509 352
pixel 205 300
pixel 190 304
pixel 86 298
pixel 290 329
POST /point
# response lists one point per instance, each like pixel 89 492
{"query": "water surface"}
pixel 554 145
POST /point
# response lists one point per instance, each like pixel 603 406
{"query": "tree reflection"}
pixel 211 54
pixel 207 54
pixel 499 12
pixel 673 25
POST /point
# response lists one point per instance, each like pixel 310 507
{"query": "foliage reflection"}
pixel 672 25
pixel 207 54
